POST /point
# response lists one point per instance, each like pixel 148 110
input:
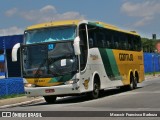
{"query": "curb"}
pixel 151 76
pixel 22 103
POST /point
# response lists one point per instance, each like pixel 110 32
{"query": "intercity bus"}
pixel 73 57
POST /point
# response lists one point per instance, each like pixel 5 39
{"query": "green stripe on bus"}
pixel 110 64
pixel 61 78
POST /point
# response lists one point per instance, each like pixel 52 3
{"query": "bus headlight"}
pixel 71 81
pixel 29 85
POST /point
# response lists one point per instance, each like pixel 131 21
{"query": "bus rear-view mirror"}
pixel 77 46
pixel 14 52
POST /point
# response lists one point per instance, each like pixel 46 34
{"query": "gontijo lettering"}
pixel 125 57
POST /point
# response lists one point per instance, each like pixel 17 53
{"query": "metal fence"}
pixel 151 62
pixel 11 86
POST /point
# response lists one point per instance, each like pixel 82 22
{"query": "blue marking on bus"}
pixel 51 46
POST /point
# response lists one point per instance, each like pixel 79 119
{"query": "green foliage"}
pixel 12 96
pixel 148 45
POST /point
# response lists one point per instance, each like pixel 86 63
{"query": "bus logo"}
pixel 93 57
pixel 86 84
pixel 125 57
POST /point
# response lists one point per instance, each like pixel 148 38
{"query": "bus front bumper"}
pixel 53 90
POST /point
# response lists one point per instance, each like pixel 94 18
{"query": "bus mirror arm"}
pixel 77 46
pixel 14 52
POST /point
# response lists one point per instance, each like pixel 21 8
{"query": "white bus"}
pixel 73 57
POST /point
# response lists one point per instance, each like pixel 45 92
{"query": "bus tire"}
pixel 133 82
pixel 50 99
pixel 96 89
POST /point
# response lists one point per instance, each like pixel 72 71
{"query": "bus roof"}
pixel 76 22
pixel 112 27
pixel 53 24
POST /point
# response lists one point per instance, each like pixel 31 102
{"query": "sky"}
pixel 142 16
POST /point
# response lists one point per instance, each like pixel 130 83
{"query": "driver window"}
pixel 83 46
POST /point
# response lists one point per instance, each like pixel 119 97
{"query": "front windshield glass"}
pixel 49 59
pixel 50 34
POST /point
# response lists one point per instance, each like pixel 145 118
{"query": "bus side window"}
pixel 116 45
pixel 112 42
pixel 137 43
pixel 112 38
pixel 101 40
pixel 116 40
pixel 91 45
pixel 130 42
pixel 92 36
pixel 104 44
pixel 108 39
pixel 121 40
pixel 134 44
pixel 125 43
pixel 107 44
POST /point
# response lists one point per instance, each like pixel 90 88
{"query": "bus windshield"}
pixel 50 34
pixel 49 59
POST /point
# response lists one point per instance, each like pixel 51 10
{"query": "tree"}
pixel 148 45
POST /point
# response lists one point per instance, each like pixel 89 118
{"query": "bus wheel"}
pixel 96 90
pixel 50 99
pixel 133 82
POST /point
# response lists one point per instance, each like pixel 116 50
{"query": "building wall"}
pixel 11 86
pixel 14 69
pixel 6 44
